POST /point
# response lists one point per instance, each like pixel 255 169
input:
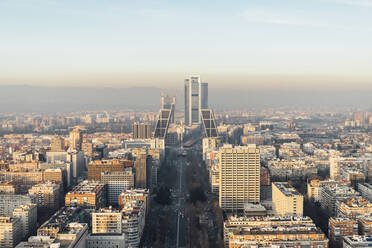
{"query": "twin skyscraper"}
pixel 196 99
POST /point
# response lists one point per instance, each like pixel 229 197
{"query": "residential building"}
pixel 89 194
pixel 353 207
pixel 28 217
pixel 9 202
pixel 128 196
pixel 239 177
pixel 48 195
pixel 338 228
pixel 273 231
pixel 106 241
pixel 106 221
pixel 10 231
pixel 286 199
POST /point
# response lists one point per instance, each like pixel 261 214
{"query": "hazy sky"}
pixel 249 43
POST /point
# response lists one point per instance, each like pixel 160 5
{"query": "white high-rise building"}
pixel 196 98
pixel 28 216
pixel 239 177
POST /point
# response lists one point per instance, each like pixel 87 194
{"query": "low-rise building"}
pixel 287 231
pixel 353 207
pixel 106 241
pixel 357 241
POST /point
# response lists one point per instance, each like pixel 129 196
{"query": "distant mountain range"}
pixel 24 98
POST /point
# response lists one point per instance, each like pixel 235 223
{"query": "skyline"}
pixel 260 44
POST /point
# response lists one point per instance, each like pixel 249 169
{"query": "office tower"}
pixel 48 195
pixel 169 102
pixel 196 98
pixel 208 123
pixel 10 231
pixel 75 139
pixel 286 200
pixel 239 177
pixel 165 116
pixel 338 228
pixel 89 194
pixel 106 221
pixel 57 144
pixel 116 182
pixel 142 167
pixel 142 131
pixel 28 216
pixel 95 168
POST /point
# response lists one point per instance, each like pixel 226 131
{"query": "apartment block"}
pixel 338 228
pixel 286 200
pixel 239 177
pixel 89 194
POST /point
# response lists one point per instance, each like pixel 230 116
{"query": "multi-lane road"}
pixel 176 235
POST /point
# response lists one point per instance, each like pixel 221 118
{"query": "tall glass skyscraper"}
pixel 196 98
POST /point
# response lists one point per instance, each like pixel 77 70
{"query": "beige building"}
pixel 57 144
pixel 239 177
pixel 289 231
pixel 286 200
pixel 10 231
pixel 106 221
pixel 75 139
